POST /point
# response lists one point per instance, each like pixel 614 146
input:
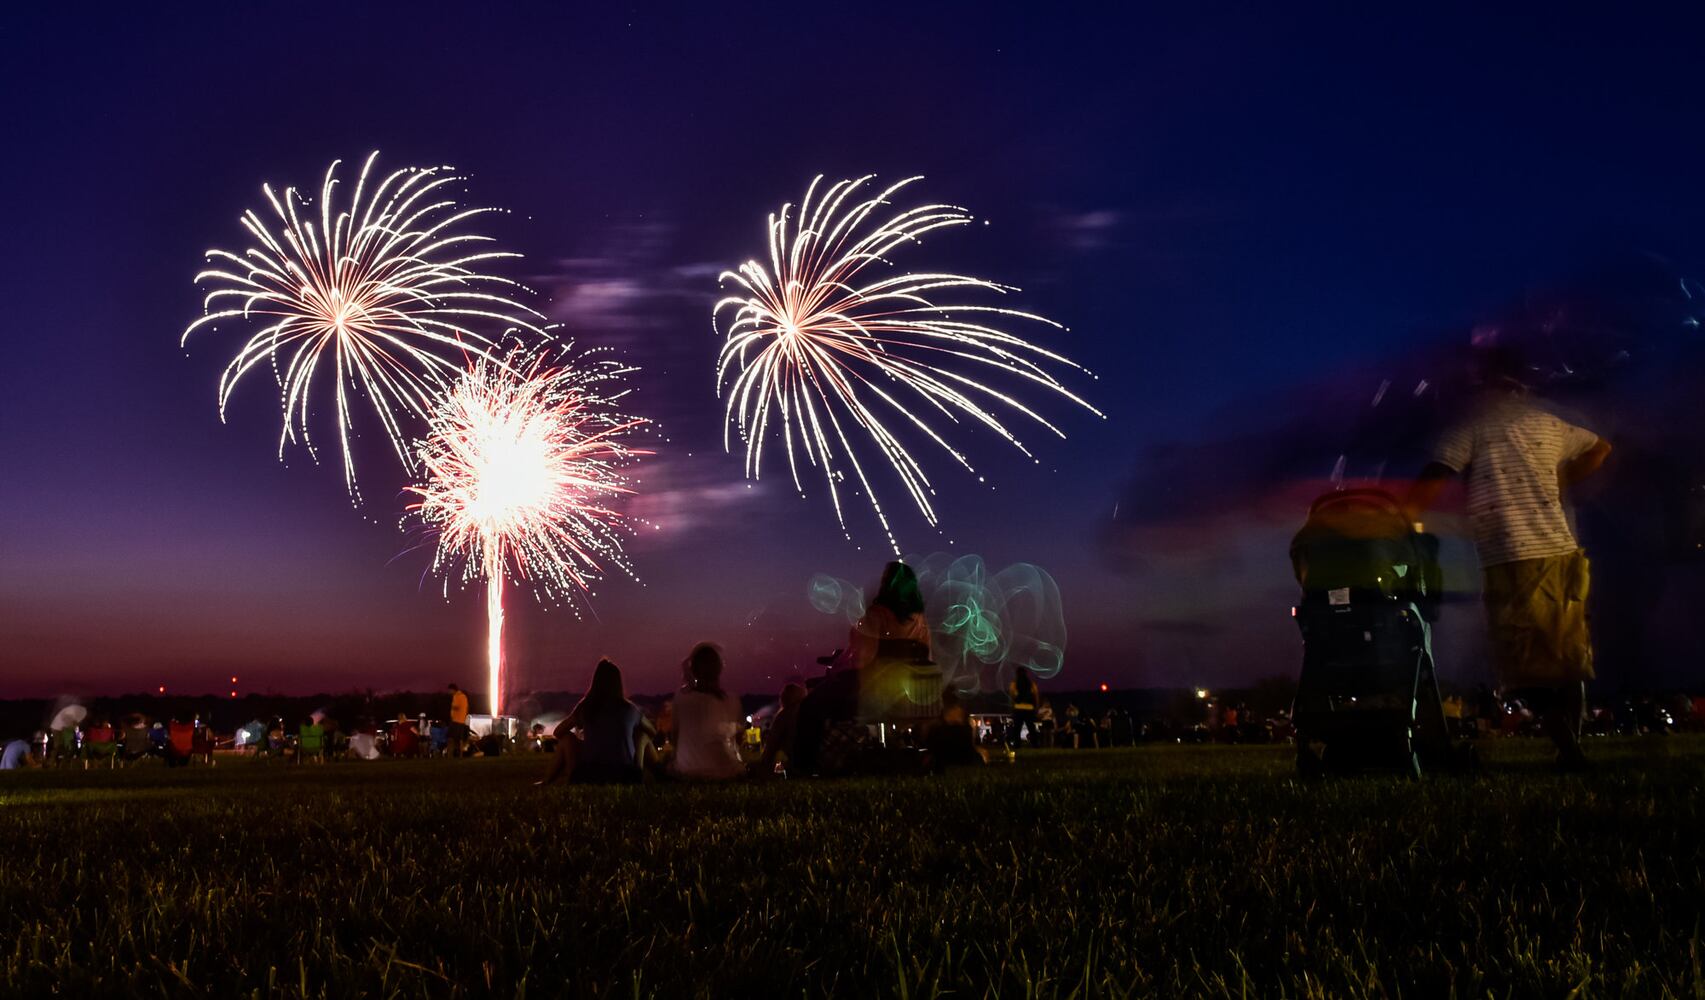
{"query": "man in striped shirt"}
pixel 1517 459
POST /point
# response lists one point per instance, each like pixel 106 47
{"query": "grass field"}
pixel 1160 871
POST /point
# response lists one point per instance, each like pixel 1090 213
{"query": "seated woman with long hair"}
pixel 707 719
pixel 614 739
pixel 895 620
pixel 885 643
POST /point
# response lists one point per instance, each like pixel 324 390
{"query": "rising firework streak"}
pixel 523 467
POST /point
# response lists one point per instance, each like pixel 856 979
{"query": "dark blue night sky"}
pixel 1245 217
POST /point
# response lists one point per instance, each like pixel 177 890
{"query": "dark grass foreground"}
pixel 1156 872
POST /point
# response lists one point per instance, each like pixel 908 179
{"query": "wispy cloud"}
pixel 1086 231
pixel 685 495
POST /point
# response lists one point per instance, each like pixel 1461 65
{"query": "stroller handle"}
pixel 1368 495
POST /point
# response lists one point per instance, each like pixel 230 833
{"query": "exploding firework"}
pixel 389 290
pixel 523 465
pixel 830 354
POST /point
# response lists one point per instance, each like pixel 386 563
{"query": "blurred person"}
pixel 1488 710
pixel 1047 728
pixel 896 615
pixel 707 720
pixel 363 744
pixel 1122 732
pixel 784 727
pixel 1454 712
pixel 17 754
pixel 311 741
pixel 273 745
pixel 751 742
pixel 606 738
pixel 870 673
pixel 666 726
pixel 951 741
pixel 135 743
pixel 405 738
pixel 336 740
pixel 1072 733
pixel 202 742
pixel 457 736
pixel 1026 702
pixel 1518 459
pixel 66 744
pixel 180 743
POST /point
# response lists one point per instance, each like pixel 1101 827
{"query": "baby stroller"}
pixel 1371 588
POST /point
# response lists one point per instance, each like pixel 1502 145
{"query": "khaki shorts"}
pixel 1537 609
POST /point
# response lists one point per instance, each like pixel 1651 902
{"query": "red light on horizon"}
pixel 233 679
pixel 233 694
pixel 162 689
pixel 1104 686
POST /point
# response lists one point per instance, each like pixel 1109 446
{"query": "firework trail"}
pixel 826 352
pixel 387 290
pixel 523 464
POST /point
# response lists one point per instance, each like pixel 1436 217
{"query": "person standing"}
pixel 1025 701
pixel 458 735
pixel 1518 459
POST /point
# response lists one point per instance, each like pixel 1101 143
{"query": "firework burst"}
pixel 389 292
pixel 820 353
pixel 523 466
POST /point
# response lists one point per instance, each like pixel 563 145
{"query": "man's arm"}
pixel 1427 488
pixel 1583 465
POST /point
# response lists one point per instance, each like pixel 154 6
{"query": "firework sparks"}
pixel 523 464
pixel 825 351
pixel 390 287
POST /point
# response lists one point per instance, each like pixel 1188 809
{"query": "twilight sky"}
pixel 1241 214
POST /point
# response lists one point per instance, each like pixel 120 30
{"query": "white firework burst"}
pixel 389 291
pixel 820 353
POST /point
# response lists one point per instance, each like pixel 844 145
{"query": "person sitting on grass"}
pixel 707 719
pixel 778 743
pixel 950 741
pixel 614 742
